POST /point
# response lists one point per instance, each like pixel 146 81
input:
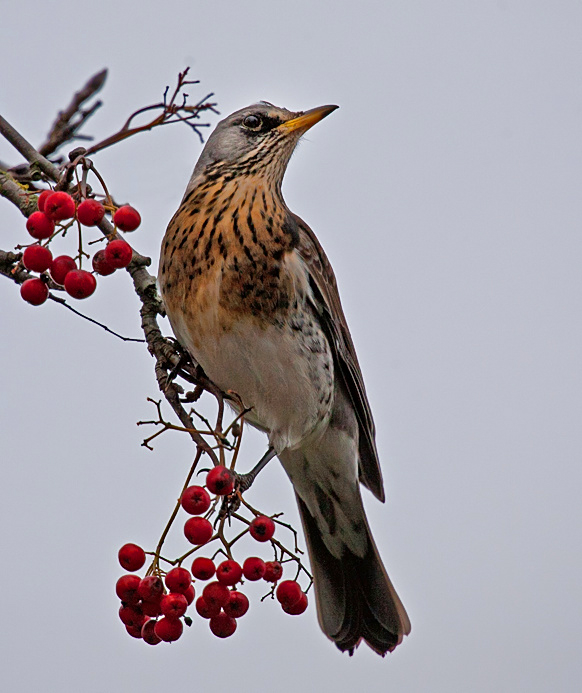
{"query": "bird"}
pixel 251 295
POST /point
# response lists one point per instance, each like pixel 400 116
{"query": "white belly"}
pixel 285 375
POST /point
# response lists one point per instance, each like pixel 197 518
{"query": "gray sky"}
pixel 446 191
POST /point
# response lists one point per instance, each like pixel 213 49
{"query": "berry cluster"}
pixel 57 210
pixel 154 609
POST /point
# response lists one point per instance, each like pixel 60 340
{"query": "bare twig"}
pixel 66 126
pixel 171 112
pixel 28 151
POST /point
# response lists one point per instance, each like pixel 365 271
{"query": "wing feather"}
pixel 329 308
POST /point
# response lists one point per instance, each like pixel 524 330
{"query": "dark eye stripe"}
pixel 258 123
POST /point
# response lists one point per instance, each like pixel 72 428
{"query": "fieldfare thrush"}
pixel 252 296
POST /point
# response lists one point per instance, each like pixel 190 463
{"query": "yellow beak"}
pixel 307 119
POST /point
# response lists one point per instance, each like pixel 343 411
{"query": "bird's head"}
pixel 257 140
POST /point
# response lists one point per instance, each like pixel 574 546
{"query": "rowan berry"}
pixel 90 212
pixel 216 594
pixel 148 633
pixel 60 267
pixel 220 481
pixel 198 530
pixel 254 568
pixel 195 500
pixel 132 557
pixel 58 206
pixel 228 572
pixel 127 218
pixel 174 605
pixel 126 589
pixel 190 594
pixel 132 615
pixel 262 528
pixel 203 568
pixel 134 631
pixel 151 588
pixel 206 610
pixel 39 226
pixel 34 291
pixel 42 199
pixel 168 629
pixel 288 593
pixel 37 258
pixel 238 605
pixel 118 253
pixel 178 580
pixel 100 264
pixel 297 608
pixel 152 607
pixel 273 571
pixel 222 626
pixel 80 283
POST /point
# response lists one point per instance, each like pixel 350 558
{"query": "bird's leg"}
pixel 231 504
pixel 245 481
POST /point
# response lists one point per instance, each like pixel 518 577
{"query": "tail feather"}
pixel 354 596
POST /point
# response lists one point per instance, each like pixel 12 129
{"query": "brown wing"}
pixel 329 308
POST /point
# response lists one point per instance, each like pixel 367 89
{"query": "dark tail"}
pixel 355 598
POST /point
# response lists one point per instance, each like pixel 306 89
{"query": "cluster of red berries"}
pixel 53 208
pixel 156 612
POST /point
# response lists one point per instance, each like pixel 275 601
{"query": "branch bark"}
pixel 168 359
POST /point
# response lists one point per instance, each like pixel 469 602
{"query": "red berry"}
pixel 118 253
pixel 203 568
pixel 228 572
pixel 148 633
pixel 168 629
pixel 127 218
pixel 42 199
pixel 58 206
pixel 288 593
pixel 205 610
pixel 80 283
pixel 262 528
pixel 132 557
pixel 195 500
pixel 100 264
pixel 152 607
pixel 90 212
pixel 237 606
pixel 126 589
pixel 189 594
pixel 298 608
pixel 254 568
pixel 39 226
pixel 134 631
pixel 273 571
pixel 34 291
pixel 60 267
pixel 132 615
pixel 198 530
pixel 220 481
pixel 216 594
pixel 174 605
pixel 37 258
pixel 151 588
pixel 222 626
pixel 178 580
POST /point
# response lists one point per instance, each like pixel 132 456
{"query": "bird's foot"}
pixel 232 502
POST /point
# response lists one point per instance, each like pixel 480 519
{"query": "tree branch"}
pixel 64 128
pixel 27 150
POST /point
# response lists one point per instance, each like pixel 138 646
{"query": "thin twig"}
pixel 65 129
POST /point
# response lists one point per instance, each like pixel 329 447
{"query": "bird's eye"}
pixel 252 122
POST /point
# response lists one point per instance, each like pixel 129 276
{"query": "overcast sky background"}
pixel 446 191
